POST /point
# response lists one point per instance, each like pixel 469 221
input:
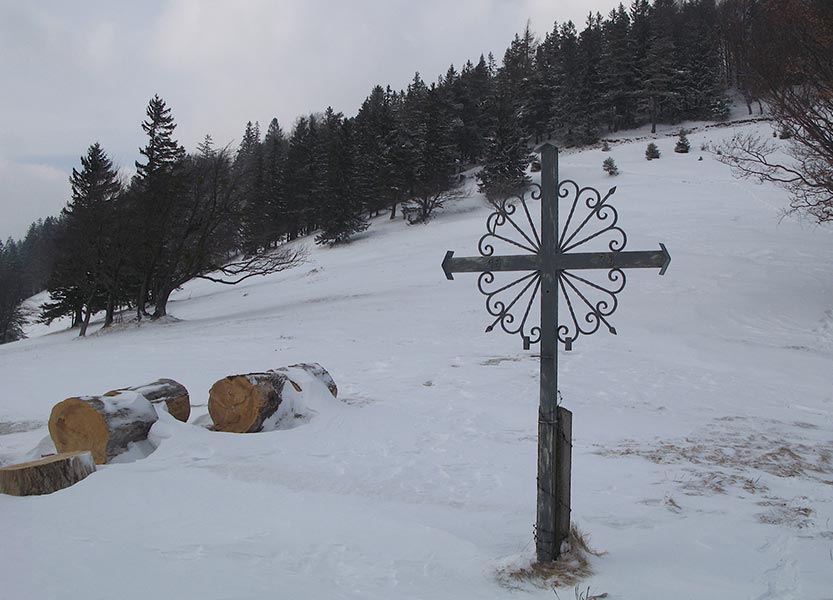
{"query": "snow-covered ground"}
pixel 703 437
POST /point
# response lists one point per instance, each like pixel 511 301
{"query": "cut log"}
pixel 164 391
pixel 46 475
pixel 104 425
pixel 241 403
pixel 316 371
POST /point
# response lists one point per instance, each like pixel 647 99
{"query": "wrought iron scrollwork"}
pixel 514 234
pixel 602 218
pixel 509 226
pixel 502 302
pixel 585 302
pixel 588 304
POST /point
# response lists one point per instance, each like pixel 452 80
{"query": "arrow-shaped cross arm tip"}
pixel 667 262
pixel 447 264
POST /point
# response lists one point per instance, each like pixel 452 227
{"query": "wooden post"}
pixel 550 510
pixel 564 461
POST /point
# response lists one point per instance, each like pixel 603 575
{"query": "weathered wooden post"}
pixel 588 304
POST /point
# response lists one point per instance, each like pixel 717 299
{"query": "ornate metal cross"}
pixel 587 303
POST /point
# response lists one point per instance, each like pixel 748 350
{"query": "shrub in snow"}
pixel 683 145
pixel 785 133
pixel 605 146
pixel 652 152
pixel 610 167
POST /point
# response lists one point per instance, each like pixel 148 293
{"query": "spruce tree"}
pixel 84 276
pixel 156 193
pixel 683 145
pixel 661 75
pixel 373 136
pixel 274 162
pixel 616 74
pixel 589 84
pixel 427 118
pixel 298 176
pixel 507 156
pixel 342 214
pixel 568 101
pixel 13 315
pixel 249 173
pixel 162 152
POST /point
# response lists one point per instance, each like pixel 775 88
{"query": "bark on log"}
pixel 46 475
pixel 316 371
pixel 104 425
pixel 241 403
pixel 172 393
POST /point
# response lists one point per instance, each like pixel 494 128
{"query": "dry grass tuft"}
pixel 571 568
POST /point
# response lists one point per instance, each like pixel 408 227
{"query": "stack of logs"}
pixel 91 430
pixel 106 424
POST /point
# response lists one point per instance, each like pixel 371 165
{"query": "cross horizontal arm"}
pixel 644 259
pixel 477 264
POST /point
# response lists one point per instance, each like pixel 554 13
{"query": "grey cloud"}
pixel 78 72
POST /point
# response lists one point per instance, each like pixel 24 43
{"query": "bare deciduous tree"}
pixel 791 60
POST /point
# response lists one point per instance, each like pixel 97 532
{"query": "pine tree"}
pixel 652 152
pixel 426 117
pixel 702 76
pixel 13 315
pixel 546 85
pixel 515 78
pixel 476 86
pixel 506 157
pixel 83 277
pixel 157 198
pixel 249 172
pixel 342 214
pixel 162 152
pixel 298 175
pixel 660 73
pixel 616 75
pixel 39 254
pixel 373 137
pixel 589 85
pixel 567 99
pixel 609 166
pixel 683 145
pixel 274 162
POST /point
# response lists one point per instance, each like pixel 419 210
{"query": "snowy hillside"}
pixel 703 431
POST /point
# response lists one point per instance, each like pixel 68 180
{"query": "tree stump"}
pixel 172 393
pixel 46 475
pixel 241 403
pixel 104 425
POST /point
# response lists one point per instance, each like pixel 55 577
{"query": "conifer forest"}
pixel 226 213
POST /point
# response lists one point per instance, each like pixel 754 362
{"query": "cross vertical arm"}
pixel 550 519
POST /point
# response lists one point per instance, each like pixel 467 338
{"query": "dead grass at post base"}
pixel 570 569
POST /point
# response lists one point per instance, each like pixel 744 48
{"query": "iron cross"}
pixel 550 265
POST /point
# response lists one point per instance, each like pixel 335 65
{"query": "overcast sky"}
pixel 73 73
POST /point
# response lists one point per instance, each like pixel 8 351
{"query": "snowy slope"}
pixel 703 437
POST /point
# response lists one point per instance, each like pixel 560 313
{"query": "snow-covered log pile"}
pixel 104 425
pixel 167 392
pixel 262 401
pixel 46 475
